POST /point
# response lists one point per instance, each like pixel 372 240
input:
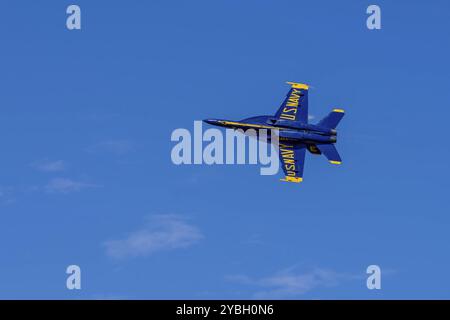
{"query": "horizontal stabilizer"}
pixel 332 119
pixel 329 150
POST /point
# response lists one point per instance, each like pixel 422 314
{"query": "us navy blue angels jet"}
pixel 296 135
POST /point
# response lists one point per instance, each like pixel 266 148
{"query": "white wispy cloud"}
pixel 49 166
pixel 119 147
pixel 6 195
pixel 160 232
pixel 65 185
pixel 289 283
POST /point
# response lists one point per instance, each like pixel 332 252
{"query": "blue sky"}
pixel 86 176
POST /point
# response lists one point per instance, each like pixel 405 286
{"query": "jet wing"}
pixel 292 157
pixel 295 105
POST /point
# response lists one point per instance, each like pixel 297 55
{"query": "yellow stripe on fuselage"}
pixel 232 123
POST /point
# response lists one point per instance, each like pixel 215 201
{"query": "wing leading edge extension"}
pixel 295 105
pixel 292 157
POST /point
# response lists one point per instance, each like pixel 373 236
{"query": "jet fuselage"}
pixel 287 130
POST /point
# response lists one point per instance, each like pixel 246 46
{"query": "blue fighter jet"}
pixel 295 134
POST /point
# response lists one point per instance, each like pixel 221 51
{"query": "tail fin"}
pixel 329 150
pixel 332 119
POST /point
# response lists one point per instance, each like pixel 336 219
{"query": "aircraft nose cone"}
pixel 211 121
